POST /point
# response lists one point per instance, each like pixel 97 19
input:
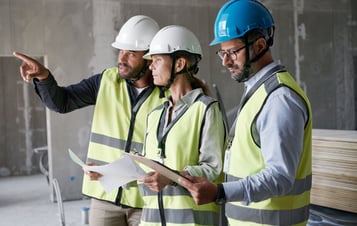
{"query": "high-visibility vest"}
pixel 246 159
pixel 117 127
pixel 181 148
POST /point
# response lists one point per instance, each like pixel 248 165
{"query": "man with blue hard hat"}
pixel 268 159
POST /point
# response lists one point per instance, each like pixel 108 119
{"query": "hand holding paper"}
pixel 115 174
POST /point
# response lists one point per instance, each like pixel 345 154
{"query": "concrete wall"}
pixel 315 39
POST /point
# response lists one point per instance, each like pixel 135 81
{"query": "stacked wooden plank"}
pixel 334 169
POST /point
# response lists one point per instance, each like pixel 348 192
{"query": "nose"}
pixel 226 60
pixel 151 66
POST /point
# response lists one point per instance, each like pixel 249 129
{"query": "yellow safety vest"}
pixel 117 127
pixel 181 148
pixel 246 159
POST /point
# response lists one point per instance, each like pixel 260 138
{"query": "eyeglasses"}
pixel 232 54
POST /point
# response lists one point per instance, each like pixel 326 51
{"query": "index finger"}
pixel 185 183
pixel 22 57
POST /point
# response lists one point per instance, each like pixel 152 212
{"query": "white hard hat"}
pixel 136 34
pixel 174 38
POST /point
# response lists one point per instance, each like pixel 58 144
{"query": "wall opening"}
pixel 23 121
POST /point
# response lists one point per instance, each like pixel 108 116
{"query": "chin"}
pixel 158 84
pixel 236 78
pixel 123 76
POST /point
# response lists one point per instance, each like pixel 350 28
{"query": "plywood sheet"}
pixel 334 168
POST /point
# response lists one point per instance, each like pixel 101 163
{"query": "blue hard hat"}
pixel 237 17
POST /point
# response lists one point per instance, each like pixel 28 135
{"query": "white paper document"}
pixel 115 174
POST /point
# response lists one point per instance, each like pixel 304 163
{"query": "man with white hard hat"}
pixel 122 97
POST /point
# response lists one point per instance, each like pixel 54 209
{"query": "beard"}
pixel 128 72
pixel 240 74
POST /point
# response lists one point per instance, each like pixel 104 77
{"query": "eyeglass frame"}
pixel 232 54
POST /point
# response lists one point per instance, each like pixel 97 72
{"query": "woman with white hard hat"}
pixel 186 133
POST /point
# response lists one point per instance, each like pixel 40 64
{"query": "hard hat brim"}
pixel 127 47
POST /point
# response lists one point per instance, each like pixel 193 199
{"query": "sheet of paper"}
pixel 115 174
pixel 158 167
pixel 75 158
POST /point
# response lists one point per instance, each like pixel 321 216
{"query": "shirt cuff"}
pixel 45 81
pixel 234 191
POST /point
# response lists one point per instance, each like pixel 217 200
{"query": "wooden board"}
pixel 335 135
pixel 334 169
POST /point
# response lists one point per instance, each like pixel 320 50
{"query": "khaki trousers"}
pixel 103 213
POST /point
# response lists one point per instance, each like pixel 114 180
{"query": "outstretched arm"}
pixel 58 98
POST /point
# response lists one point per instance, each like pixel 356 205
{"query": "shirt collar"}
pixel 260 74
pixel 188 99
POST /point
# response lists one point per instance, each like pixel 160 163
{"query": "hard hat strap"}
pixel 172 74
pixel 140 74
pixel 171 80
pixel 246 67
pixel 257 57
pixel 194 68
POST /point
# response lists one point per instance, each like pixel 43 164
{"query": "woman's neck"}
pixel 179 88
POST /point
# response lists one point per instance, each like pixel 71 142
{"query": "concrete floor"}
pixel 25 201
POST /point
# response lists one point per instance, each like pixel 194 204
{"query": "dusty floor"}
pixel 25 201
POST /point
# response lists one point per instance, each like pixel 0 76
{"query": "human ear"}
pixel 259 45
pixel 180 64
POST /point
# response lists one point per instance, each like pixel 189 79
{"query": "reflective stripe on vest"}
pixel 264 217
pixel 112 119
pixel 181 143
pixel 114 142
pixel 180 217
pixel 290 209
pixel 179 208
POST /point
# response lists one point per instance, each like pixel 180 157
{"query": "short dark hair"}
pixel 255 34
